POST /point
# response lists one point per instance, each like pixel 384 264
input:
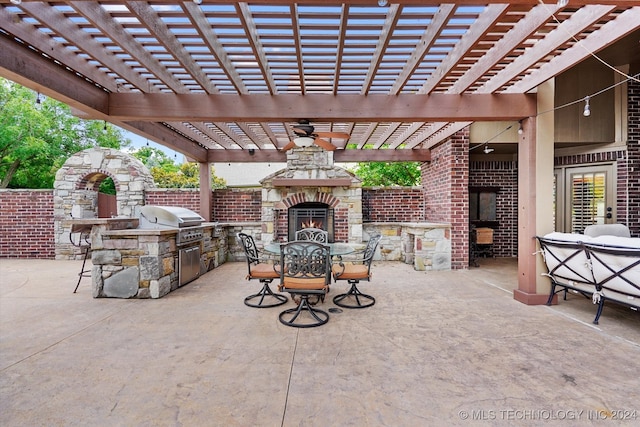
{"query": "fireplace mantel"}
pixel 302 182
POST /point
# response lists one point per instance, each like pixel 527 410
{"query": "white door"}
pixel 589 197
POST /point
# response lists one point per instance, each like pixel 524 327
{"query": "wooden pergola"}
pixel 226 81
pixel 216 79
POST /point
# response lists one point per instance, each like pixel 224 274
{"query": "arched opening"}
pixel 107 200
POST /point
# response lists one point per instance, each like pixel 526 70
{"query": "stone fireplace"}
pixel 311 191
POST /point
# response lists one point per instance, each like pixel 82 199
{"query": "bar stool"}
pixel 83 233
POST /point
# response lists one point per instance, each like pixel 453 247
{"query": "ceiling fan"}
pixel 306 136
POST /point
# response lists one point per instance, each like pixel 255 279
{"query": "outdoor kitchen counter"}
pixel 145 262
pixel 108 223
pixel 152 231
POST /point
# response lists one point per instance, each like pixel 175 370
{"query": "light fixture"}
pixel 303 141
pixel 520 131
pixel 563 3
pixel 587 109
pixel 197 1
pixel 16 1
pixel 382 3
pixel 487 150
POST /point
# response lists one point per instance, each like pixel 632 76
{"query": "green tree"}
pixel 38 134
pixel 167 174
pixel 388 174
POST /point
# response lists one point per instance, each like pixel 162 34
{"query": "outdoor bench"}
pixel 603 268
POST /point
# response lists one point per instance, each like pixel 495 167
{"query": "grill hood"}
pixel 168 216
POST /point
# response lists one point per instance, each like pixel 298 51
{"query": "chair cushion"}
pixel 263 271
pixel 304 283
pixel 351 272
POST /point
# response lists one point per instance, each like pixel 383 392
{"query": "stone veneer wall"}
pixel 311 164
pixel 144 263
pixel 76 185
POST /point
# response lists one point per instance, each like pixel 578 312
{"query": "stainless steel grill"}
pixel 168 216
pixel 188 237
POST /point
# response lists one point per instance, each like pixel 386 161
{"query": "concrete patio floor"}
pixel 437 348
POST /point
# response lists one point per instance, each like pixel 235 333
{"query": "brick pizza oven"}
pixel 311 191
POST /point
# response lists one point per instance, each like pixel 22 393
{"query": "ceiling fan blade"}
pixel 323 143
pixel 340 135
pixel 289 146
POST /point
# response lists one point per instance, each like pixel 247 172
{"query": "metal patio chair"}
pixel 263 268
pixel 305 272
pixel 353 271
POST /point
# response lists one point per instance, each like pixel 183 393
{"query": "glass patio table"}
pixel 335 249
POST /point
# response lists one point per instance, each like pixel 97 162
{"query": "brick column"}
pixel 446 192
pixel 633 157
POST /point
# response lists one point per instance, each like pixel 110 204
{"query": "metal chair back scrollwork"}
pixel 305 272
pixel 313 234
pixel 353 271
pixel 264 269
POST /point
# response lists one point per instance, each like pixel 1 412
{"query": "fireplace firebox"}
pixel 311 214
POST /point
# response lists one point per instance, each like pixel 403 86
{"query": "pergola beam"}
pixel 340 156
pixel 168 107
pixel 400 2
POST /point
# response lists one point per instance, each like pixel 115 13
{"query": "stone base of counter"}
pixel 144 263
pixel 425 245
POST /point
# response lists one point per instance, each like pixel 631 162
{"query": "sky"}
pixel 138 142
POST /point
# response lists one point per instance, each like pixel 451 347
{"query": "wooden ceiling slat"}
pixel 486 20
pixel 581 19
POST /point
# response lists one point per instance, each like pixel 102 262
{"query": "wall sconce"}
pixel 252 151
pixel 487 150
pixel 520 128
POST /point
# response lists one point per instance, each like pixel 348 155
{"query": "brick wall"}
pixel 26 224
pixel 392 204
pixel 186 198
pixel 633 158
pixel 237 205
pixel 446 192
pixel 503 175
